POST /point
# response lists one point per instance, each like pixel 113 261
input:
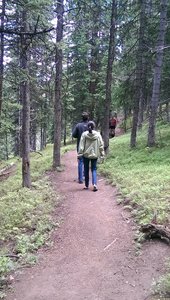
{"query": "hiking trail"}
pixel 93 256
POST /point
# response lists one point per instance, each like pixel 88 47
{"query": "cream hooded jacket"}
pixel 91 145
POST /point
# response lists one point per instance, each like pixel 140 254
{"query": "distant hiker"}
pixel 77 132
pixel 91 148
pixel 112 125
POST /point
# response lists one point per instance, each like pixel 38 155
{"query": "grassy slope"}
pixel 26 214
pixel 142 174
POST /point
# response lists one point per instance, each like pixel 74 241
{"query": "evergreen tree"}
pixel 157 73
pixel 58 85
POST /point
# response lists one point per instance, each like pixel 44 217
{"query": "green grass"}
pixel 142 174
pixel 26 214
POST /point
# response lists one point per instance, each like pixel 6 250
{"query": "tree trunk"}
pixel 41 137
pixel 138 92
pixel 65 135
pixel 2 54
pixel 26 180
pixel 93 81
pixel 125 118
pixel 167 112
pixel 18 124
pixel 143 92
pixel 45 120
pixel 157 74
pixel 33 133
pixel 160 112
pixel 6 146
pixel 33 121
pixel 94 63
pixel 18 114
pixel 58 81
pixel 111 55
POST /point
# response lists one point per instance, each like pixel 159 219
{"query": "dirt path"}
pixel 93 256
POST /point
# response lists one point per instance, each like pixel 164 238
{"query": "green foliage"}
pixel 2 295
pixel 162 286
pixel 87 53
pixel 142 175
pixel 6 265
pixel 7 127
pixel 26 214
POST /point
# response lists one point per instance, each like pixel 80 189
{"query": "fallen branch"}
pixel 156 231
pixel 7 170
pixel 34 33
pixel 126 219
pixel 108 246
pixel 36 152
pixel 10 256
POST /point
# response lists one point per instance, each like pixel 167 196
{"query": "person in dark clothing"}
pixel 77 132
pixel 112 126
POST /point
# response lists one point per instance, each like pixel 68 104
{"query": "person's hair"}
pixel 85 116
pixel 91 126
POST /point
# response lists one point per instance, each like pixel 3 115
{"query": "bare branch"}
pixel 8 31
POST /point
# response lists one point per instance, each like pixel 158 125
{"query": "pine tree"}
pixel 58 85
pixel 157 73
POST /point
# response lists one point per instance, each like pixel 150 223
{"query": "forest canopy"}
pixel 60 58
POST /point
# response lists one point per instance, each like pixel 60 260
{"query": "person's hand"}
pixel 102 158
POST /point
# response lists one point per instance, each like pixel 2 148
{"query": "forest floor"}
pixel 94 256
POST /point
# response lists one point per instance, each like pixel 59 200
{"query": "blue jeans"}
pixel 93 170
pixel 80 169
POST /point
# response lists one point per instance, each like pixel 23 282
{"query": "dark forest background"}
pixel 58 59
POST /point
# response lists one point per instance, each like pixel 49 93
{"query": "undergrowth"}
pixel 162 286
pixel 26 214
pixel 142 175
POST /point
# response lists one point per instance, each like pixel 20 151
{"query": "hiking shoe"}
pixel 85 188
pixel 95 188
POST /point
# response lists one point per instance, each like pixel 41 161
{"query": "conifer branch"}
pixel 9 31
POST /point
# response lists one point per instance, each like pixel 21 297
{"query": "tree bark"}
pixel 58 81
pixel 18 127
pixel 94 61
pixel 111 55
pixel 18 114
pixel 26 179
pixel 33 122
pixel 143 92
pixel 33 132
pixel 157 74
pixel 2 54
pixel 139 69
pixel 167 112
pixel 6 146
